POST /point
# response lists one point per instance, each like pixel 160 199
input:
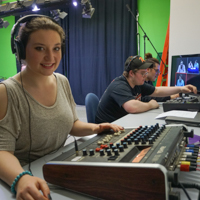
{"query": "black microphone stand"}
pixel 145 35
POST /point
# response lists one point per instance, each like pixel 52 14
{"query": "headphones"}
pixel 16 45
pixel 128 66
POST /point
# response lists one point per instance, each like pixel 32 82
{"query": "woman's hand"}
pixel 29 187
pixel 107 126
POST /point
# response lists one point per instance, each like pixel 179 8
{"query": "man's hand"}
pixel 154 104
pixel 174 96
pixel 188 89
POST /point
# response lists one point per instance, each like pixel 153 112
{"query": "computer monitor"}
pixel 185 70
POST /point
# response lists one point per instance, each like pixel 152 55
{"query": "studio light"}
pixel 35 8
pixel 56 14
pixel 75 3
pixel 88 10
pixel 3 23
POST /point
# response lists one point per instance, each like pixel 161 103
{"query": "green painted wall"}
pixel 154 18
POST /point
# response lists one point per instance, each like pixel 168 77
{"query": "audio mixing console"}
pixel 131 163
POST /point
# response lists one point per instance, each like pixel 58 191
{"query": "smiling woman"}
pixel 37 110
pixel 43 54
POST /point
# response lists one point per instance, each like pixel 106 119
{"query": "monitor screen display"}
pixel 185 70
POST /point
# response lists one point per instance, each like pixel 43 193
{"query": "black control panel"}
pixel 187 103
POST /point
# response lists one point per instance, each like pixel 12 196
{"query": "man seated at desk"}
pixel 153 72
pixel 124 93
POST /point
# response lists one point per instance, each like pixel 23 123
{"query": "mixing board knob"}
pixel 91 152
pixel 84 152
pixel 136 141
pixel 132 138
pixel 108 152
pixel 121 148
pixel 150 141
pixel 139 138
pixel 122 141
pixel 147 133
pixel 146 136
pixel 157 125
pixel 109 137
pixel 154 135
pixel 129 141
pixel 158 132
pixel 116 151
pixel 101 152
pixel 125 145
pixel 117 144
pixel 105 140
pixel 111 144
pixel 163 127
pixel 113 147
pixel 99 142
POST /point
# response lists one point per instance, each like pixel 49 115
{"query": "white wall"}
pixel 184 37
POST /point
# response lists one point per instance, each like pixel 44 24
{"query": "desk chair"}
pixel 91 103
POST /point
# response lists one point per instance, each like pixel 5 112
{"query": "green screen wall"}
pixel 154 18
pixel 7 59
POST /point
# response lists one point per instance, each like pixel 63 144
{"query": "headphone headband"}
pixel 16 45
pixel 128 66
pixel 24 19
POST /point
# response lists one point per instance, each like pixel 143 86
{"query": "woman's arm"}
pixel 83 129
pixel 27 186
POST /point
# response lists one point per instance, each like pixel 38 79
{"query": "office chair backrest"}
pixel 91 103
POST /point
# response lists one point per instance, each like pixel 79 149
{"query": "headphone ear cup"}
pixel 20 51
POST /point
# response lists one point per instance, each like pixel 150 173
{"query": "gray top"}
pixel 48 128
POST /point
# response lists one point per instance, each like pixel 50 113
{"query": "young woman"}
pixel 37 110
